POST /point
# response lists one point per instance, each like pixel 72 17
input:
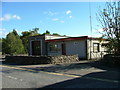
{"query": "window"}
pixel 104 46
pixel 75 43
pixel 96 47
pixel 53 47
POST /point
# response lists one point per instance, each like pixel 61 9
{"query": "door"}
pixel 36 48
pixel 63 49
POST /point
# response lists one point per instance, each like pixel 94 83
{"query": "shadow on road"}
pixel 92 80
pixel 67 67
pixel 109 78
pixel 74 66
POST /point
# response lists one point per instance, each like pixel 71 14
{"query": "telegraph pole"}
pixel 90 30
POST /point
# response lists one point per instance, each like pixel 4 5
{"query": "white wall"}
pixel 76 47
pixel 72 48
pixel 59 52
pixel 94 55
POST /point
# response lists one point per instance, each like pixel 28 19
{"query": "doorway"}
pixel 63 45
pixel 36 48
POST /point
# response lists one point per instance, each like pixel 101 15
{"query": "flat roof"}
pixel 73 38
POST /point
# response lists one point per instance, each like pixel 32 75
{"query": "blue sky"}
pixel 65 18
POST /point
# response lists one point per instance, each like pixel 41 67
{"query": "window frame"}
pixel 98 47
pixel 53 48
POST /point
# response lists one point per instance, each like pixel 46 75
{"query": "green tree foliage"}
pixel 109 19
pixel 12 44
pixel 47 32
pixel 56 34
pixel 26 34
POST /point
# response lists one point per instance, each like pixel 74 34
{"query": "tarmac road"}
pixel 41 77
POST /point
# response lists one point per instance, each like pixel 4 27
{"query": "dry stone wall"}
pixel 111 59
pixel 41 59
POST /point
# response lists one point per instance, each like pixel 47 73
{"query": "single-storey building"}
pixel 86 47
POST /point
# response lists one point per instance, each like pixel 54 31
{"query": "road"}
pixel 17 78
pixel 21 77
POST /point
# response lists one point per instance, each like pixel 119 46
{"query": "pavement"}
pixel 83 74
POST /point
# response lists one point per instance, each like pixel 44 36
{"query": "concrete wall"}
pixel 72 48
pixel 42 39
pixel 95 55
pixel 56 53
pixel 84 48
pixel 76 47
pixel 42 42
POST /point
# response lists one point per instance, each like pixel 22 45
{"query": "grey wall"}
pixel 96 55
pixel 72 48
pixel 76 47
pixel 37 38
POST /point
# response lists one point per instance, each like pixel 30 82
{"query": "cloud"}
pixel 70 16
pixel 68 12
pixel 3 32
pixel 8 17
pixel 16 17
pixel 62 21
pixel 55 19
pixel 50 13
pixel 2 29
pixel 19 31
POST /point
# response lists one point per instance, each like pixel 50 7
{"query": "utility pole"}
pixel 90 30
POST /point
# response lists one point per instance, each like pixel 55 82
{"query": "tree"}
pixel 47 32
pixel 34 32
pixel 56 34
pixel 12 44
pixel 26 34
pixel 109 19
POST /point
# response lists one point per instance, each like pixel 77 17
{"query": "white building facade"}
pixel 84 46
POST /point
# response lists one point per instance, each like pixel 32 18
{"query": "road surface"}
pixel 20 77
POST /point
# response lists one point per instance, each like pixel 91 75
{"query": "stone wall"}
pixel 41 59
pixel 111 59
pixel 64 59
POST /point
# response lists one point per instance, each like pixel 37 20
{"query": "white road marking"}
pixel 14 78
pixel 21 79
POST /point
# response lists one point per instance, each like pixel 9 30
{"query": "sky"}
pixel 64 18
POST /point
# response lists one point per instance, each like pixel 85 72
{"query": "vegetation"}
pixel 18 44
pixel 109 19
pixel 26 34
pixel 47 32
pixel 56 34
pixel 12 44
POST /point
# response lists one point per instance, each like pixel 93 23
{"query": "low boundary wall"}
pixel 41 59
pixel 111 59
